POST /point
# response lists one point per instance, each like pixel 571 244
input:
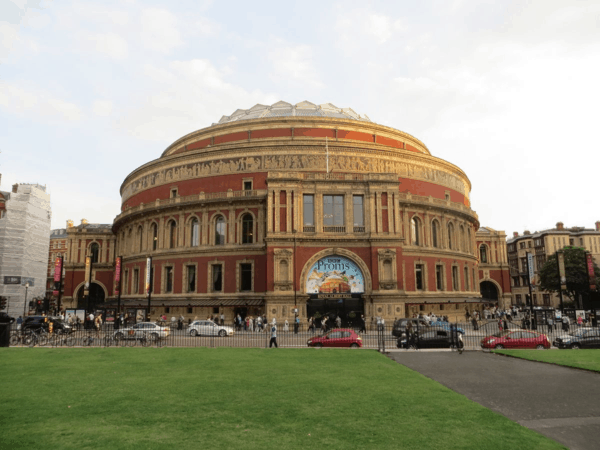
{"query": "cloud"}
pixel 159 30
pixel 37 104
pixel 102 108
pixel 184 96
pixel 293 63
pixel 108 44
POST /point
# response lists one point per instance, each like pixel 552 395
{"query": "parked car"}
pixel 338 337
pixel 34 323
pixel 137 331
pixel 399 328
pixel 516 339
pixel 577 332
pixel 432 339
pixel 209 328
pixel 589 338
pixel 445 326
pixel 5 318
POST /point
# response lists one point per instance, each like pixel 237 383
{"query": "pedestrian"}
pixel 259 324
pixel 19 322
pixel 222 318
pixel 324 325
pixel 474 322
pixel 338 321
pixel 286 326
pixel 296 324
pixel 500 324
pixel 579 321
pixel 550 324
pixel 363 325
pixel 311 324
pixel 273 340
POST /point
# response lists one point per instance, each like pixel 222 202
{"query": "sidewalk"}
pixel 558 402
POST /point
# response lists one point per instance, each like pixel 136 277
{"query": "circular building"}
pixel 298 209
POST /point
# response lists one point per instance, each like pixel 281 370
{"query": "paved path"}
pixel 558 402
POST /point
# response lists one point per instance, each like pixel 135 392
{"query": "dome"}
pixel 284 109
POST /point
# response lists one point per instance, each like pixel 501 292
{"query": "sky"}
pixel 506 90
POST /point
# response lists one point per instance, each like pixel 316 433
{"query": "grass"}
pixel 229 398
pixel 581 359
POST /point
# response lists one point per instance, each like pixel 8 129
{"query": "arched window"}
pixel 435 233
pixel 94 252
pixel 194 233
pixel 154 236
pixel 172 234
pixel 463 244
pixel 483 258
pixel 140 238
pixel 451 236
pixel 220 231
pixel 247 229
pixel 415 228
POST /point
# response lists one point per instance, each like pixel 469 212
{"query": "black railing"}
pixel 487 334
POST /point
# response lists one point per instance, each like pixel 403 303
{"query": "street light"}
pixel 25 303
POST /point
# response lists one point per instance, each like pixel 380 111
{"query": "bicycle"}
pixel 61 340
pixel 36 337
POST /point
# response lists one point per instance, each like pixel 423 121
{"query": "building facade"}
pixel 541 245
pixel 24 241
pixel 494 273
pixel 291 209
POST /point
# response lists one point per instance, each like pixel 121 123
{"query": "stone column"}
pixel 379 214
pixel 277 210
pixel 270 211
pixel 288 211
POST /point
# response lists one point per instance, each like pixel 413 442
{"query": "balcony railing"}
pixel 334 229
pixel 309 229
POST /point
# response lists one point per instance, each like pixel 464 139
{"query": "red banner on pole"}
pixel 57 274
pixel 118 275
pixel 592 275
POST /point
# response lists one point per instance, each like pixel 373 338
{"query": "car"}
pixel 338 337
pixel 35 323
pixel 516 339
pixel 432 339
pixel 588 338
pixel 139 330
pixel 445 326
pixel 399 328
pixel 5 318
pixel 577 332
pixel 209 328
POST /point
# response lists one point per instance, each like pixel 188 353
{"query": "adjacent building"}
pixel 541 245
pixel 494 273
pixel 24 240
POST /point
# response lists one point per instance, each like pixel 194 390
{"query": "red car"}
pixel 517 339
pixel 339 337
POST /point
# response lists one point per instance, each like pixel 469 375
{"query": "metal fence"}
pixel 383 337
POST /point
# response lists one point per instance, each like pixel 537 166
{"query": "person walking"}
pixel 286 326
pixel 324 325
pixel 363 324
pixel 311 324
pixel 273 340
pixel 296 324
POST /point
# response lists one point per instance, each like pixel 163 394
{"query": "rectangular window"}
pixel 168 279
pixel 173 193
pixel 309 212
pixel 439 278
pixel 190 310
pixel 419 276
pixel 455 284
pixel 333 210
pixel 217 278
pixel 245 277
pixel 466 279
pixel 136 281
pixel 358 214
pixel 191 278
pixel 247 185
pixel 126 282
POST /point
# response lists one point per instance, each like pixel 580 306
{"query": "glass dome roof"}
pixel 284 109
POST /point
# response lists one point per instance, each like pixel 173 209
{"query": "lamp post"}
pixel 25 304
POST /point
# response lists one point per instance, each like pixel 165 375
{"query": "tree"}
pixel 576 271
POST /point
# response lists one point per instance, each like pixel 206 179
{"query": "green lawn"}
pixel 229 398
pixel 582 359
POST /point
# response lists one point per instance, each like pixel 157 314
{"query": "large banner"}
pixel 57 275
pixel 531 270
pixel 590 266
pixel 118 275
pixel 148 276
pixel 88 275
pixel 561 271
pixel 335 275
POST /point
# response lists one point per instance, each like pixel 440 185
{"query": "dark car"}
pixel 5 318
pixel 432 339
pixel 399 329
pixel 34 323
pixel 584 339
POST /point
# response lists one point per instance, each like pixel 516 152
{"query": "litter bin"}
pixel 4 334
